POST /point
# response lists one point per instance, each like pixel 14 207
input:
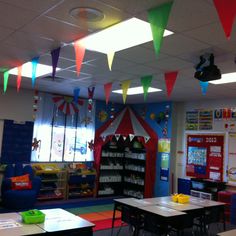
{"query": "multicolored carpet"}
pixel 100 215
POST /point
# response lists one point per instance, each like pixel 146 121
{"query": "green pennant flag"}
pixel 158 18
pixel 146 82
pixel 5 76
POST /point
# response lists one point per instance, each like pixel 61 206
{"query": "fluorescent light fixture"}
pixel 137 90
pixel 121 36
pixel 27 70
pixel 225 78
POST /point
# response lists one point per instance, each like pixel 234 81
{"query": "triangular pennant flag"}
pixel 124 137
pixel 146 139
pixel 34 69
pixel 170 78
pixel 103 138
pixel 107 90
pixel 76 94
pixel 226 11
pixel 204 86
pixel 146 82
pixel 131 137
pixel 19 77
pixel 117 136
pixel 79 55
pixel 158 18
pixel 55 56
pixel 125 86
pixel 110 57
pixel 5 82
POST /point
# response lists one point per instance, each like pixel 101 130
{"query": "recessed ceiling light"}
pixel 87 14
pixel 27 70
pixel 121 36
pixel 137 90
pixel 225 78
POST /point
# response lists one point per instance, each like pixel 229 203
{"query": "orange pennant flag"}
pixel 19 77
pixel 79 55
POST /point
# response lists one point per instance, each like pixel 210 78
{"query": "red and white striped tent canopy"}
pixel 126 124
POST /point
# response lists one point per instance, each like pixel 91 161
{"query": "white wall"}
pixel 180 145
pixel 17 106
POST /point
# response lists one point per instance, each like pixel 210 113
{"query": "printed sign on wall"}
pixel 205 156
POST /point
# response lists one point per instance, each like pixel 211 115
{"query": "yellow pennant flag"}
pixel 110 57
pixel 125 86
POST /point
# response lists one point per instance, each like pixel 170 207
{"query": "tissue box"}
pixel 33 216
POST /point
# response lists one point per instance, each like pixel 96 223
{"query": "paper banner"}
pixel 76 94
pixel 146 82
pixel 226 11
pixel 34 69
pixel 107 90
pixel 204 86
pixel 19 77
pixel 117 136
pixel 158 18
pixel 79 55
pixel 170 78
pixel 131 137
pixel 146 139
pixel 110 57
pixel 55 56
pixel 5 77
pixel 125 86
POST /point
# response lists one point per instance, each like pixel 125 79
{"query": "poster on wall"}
pixel 205 120
pixel 191 120
pixel 205 156
pixel 232 158
pixel 164 145
pixel 164 170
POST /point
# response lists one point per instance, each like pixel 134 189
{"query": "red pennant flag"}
pixel 170 78
pixel 107 89
pixel 79 55
pixel 19 77
pixel 226 10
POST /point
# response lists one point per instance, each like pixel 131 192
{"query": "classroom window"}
pixel 63 136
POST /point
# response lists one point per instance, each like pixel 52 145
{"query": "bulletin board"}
pixel 205 156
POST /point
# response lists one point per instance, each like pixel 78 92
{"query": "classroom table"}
pixel 61 222
pixel 20 228
pixel 196 207
pixel 228 233
pixel 57 222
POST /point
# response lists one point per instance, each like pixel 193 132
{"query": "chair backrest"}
pixel 28 170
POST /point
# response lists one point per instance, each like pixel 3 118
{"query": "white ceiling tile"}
pixel 112 15
pixel 4 32
pixel 171 63
pixel 33 5
pixel 58 31
pixel 178 44
pixel 15 17
pixel 62 63
pixel 189 14
pixel 137 54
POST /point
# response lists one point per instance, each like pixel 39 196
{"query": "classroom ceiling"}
pixel 34 28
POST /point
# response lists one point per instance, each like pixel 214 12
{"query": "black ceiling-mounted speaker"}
pixel 206 70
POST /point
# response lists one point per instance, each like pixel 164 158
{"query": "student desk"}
pixel 228 233
pixel 23 229
pixel 61 222
pixel 57 222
